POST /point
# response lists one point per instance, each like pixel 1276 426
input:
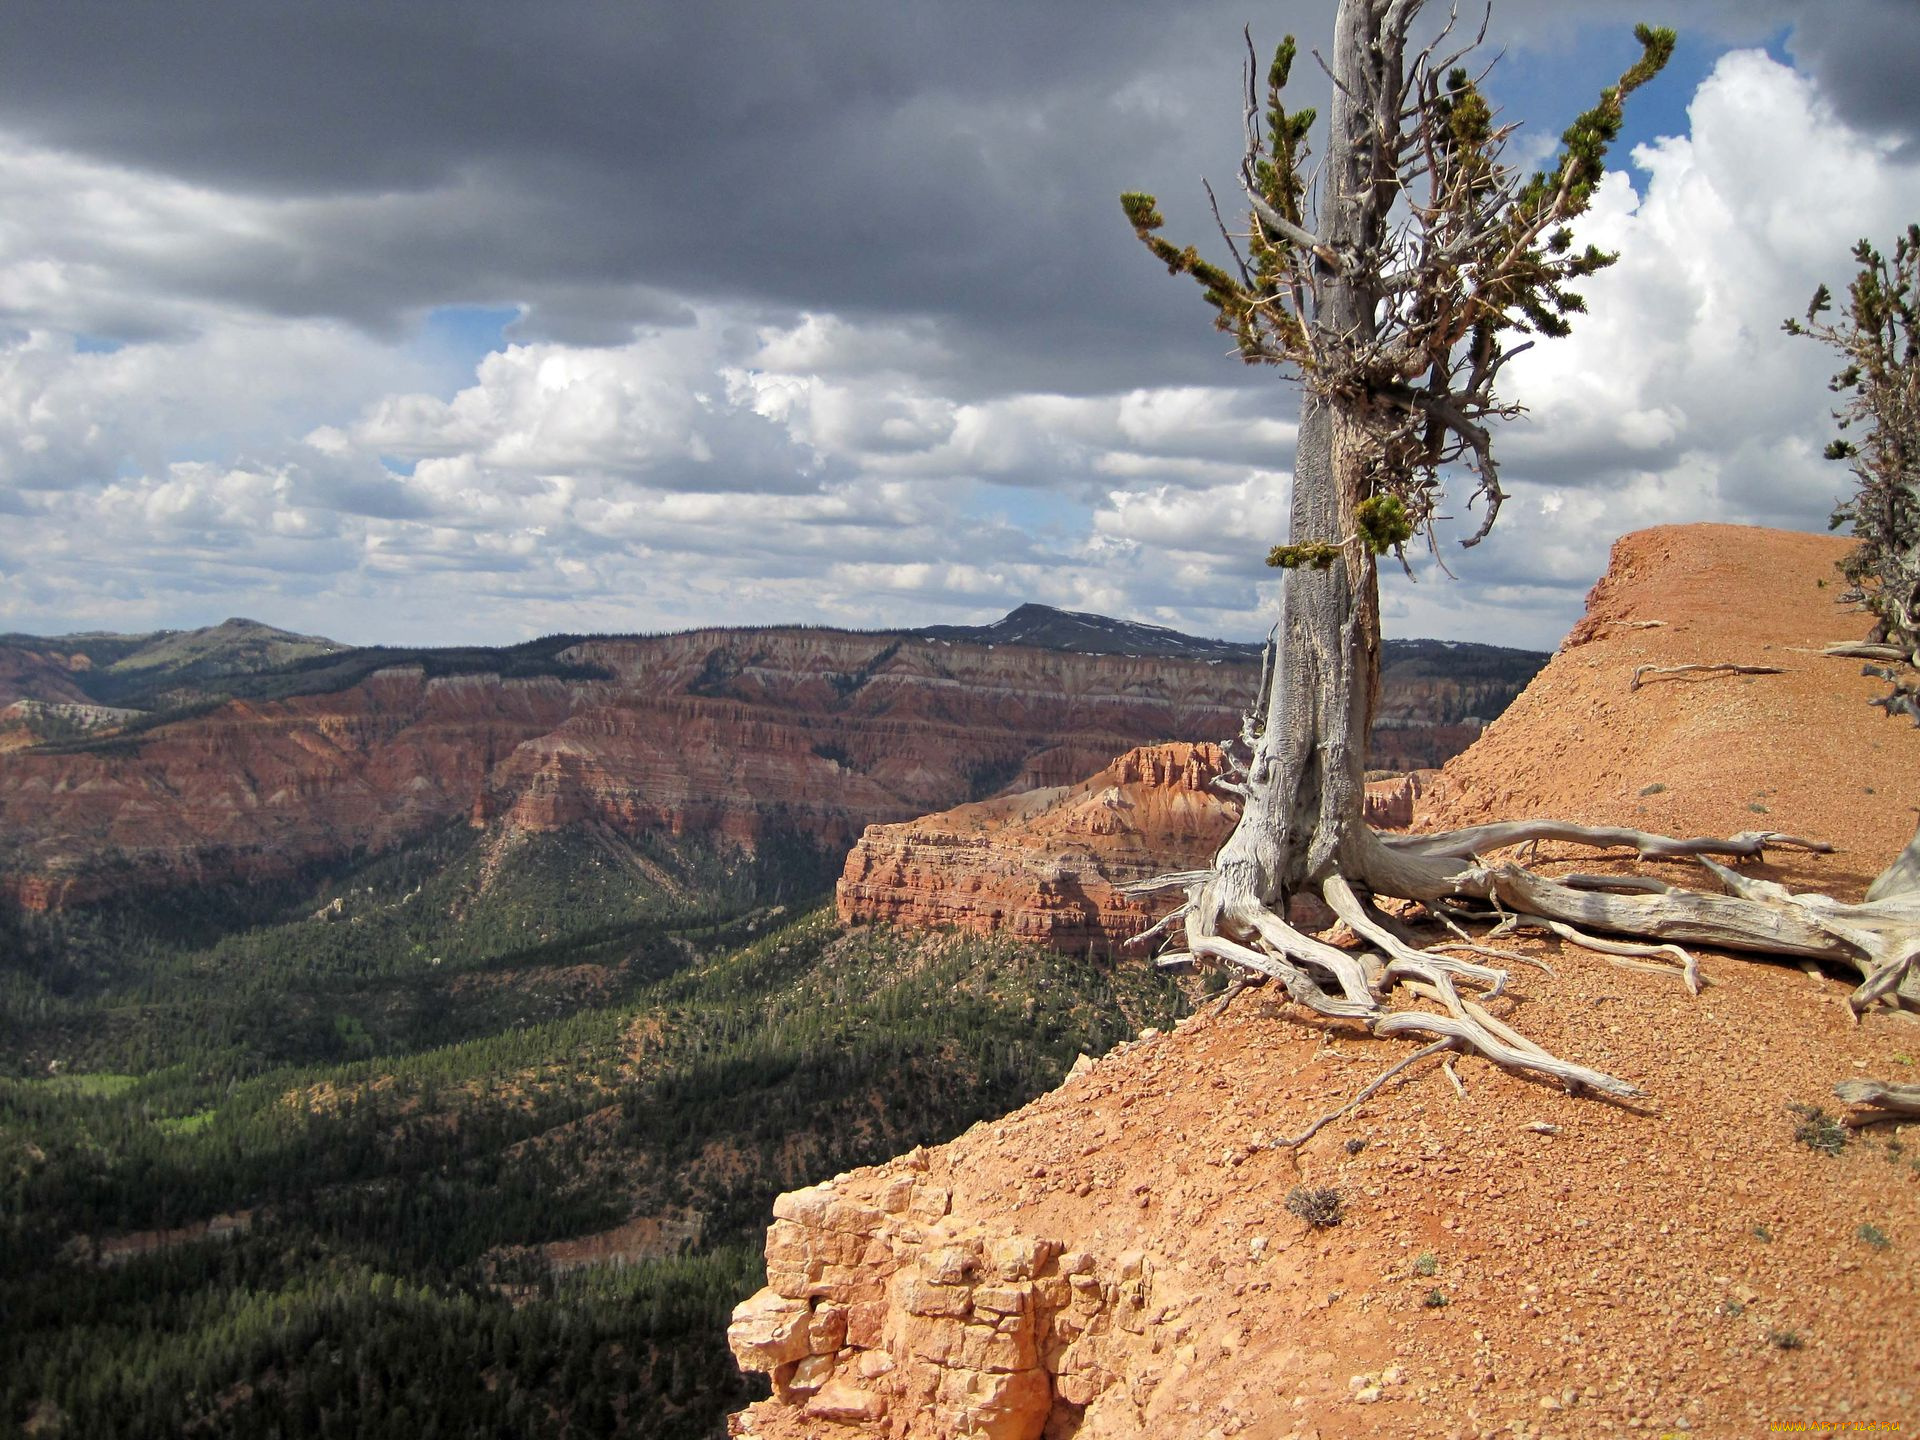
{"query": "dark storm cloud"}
pixel 1866 66
pixel 597 163
pixel 955 161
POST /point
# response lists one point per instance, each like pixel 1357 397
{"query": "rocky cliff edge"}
pixel 1124 1256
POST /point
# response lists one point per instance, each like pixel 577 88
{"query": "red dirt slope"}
pixel 1118 1259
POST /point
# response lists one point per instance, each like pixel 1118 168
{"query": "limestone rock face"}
pixel 1048 865
pixel 879 1307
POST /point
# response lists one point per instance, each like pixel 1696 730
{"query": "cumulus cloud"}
pixel 1678 398
pixel 919 373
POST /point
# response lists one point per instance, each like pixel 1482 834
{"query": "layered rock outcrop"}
pixel 1047 865
pixel 728 733
pixel 882 1309
pixel 731 733
pixel 1050 865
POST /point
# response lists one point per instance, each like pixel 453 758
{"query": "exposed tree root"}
pixel 1624 952
pixel 1478 839
pixel 1892 1102
pixel 1225 923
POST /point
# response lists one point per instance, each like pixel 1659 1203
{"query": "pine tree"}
pixel 1878 339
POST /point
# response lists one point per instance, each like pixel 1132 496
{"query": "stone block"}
pixel 996 1407
pixel 951 1264
pixel 930 1202
pixel 847 1404
pixel 809 1375
pixel 827 1330
pixel 866 1322
pixel 1002 1299
pixel 918 1296
pixel 768 1330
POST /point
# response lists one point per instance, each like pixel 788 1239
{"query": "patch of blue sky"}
pixel 1044 515
pixel 453 339
pixel 397 466
pixel 97 344
pixel 1546 89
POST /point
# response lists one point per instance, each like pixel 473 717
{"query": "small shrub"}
pixel 1733 1308
pixel 1426 1263
pixel 1818 1130
pixel 1874 1236
pixel 1654 789
pixel 1434 1299
pixel 1320 1208
pixel 1786 1340
pixel 1758 809
pixel 1355 1146
pixel 1760 1232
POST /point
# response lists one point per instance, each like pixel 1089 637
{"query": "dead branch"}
pixel 1366 1094
pixel 1478 839
pixel 1898 1101
pixel 1643 670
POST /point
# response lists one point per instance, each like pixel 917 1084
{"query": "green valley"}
pixel 475 1137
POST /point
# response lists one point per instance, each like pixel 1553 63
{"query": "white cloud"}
pixel 742 468
pixel 1678 398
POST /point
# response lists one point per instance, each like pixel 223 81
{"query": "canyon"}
pixel 740 737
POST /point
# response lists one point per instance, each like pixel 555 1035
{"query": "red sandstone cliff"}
pixel 1048 865
pixel 723 732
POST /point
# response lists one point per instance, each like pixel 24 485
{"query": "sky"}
pixel 465 323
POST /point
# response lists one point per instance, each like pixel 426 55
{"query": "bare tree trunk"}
pixel 1306 784
pixel 1303 823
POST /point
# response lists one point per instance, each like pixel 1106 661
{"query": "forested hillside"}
pixel 477 1138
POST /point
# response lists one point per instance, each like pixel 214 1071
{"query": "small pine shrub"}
pixel 1786 1340
pixel 1818 1130
pixel 1320 1208
pixel 1426 1263
pixel 1434 1299
pixel 1874 1236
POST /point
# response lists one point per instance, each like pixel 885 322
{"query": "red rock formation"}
pixel 1047 865
pixel 734 733
pixel 878 1307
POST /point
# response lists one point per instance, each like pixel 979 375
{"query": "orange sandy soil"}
pixel 1675 1265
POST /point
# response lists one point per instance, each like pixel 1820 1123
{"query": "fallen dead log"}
pixel 1894 1101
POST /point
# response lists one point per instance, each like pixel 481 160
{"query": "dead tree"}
pixel 1396 287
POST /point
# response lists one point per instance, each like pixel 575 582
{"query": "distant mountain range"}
pixel 240 658
pixel 240 752
pixel 1046 628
